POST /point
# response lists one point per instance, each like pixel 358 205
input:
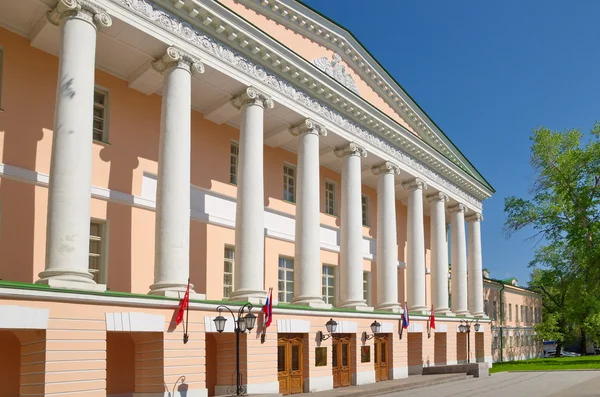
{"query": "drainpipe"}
pixel 501 319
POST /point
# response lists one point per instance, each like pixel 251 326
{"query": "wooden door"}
pixel 340 361
pixel 290 364
pixel 381 358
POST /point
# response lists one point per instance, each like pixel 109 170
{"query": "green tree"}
pixel 564 213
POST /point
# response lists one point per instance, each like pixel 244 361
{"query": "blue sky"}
pixel 488 73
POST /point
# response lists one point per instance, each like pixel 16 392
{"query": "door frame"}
pixel 288 341
pixel 336 343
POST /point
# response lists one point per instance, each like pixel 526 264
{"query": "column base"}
pixel 444 311
pixel 171 290
pixel 479 315
pixel 358 305
pixel 256 297
pixel 393 307
pixel 462 313
pixel 309 301
pixel 70 280
pixel 418 309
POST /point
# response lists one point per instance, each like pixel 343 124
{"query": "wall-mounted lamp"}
pixel 331 326
pixel 375 328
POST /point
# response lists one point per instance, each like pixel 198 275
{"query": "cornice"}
pixel 323 33
pixel 297 80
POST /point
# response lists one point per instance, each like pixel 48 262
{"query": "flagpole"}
pixel 187 318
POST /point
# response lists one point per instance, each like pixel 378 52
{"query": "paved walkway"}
pixel 515 384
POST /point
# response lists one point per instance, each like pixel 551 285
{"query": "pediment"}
pixel 334 51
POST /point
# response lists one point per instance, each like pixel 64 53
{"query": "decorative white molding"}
pixel 135 322
pixel 387 328
pixel 23 317
pixel 225 53
pixel 346 327
pixel 415 327
pixel 336 70
pixel 441 327
pixel 293 326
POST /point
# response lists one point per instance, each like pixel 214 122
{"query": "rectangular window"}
pixel 511 341
pixel 510 312
pixel 494 310
pixel 330 198
pixel 228 266
pixel 234 153
pixel 367 287
pixel 365 210
pixel 517 313
pixel 286 279
pixel 1 73
pixel 97 255
pixel 486 307
pixel 328 284
pixel 495 342
pixel 289 183
pixel 100 115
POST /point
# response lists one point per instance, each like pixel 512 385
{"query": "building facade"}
pixel 513 311
pixel 240 145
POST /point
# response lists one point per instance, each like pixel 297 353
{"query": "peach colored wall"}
pixel 310 50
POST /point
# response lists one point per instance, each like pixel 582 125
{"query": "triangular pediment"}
pixel 334 51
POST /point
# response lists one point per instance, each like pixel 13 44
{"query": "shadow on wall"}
pixel 179 388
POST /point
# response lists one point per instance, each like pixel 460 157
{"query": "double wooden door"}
pixel 381 358
pixel 340 361
pixel 290 364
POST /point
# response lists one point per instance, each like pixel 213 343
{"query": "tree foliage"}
pixel 564 211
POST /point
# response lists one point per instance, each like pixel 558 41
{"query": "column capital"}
pixel 386 168
pixel 475 217
pixel 413 184
pixel 252 96
pixel 308 126
pixel 437 197
pixel 80 9
pixel 352 149
pixel 458 208
pixel 176 57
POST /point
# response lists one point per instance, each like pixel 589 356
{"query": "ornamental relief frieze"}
pixel 184 30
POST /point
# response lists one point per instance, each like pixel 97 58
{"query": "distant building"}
pixel 514 311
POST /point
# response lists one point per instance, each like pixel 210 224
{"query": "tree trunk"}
pixel 583 343
pixel 559 346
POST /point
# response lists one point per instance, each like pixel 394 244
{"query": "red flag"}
pixel 185 302
pixel 268 308
pixel 432 319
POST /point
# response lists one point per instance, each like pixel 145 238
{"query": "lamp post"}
pixel 241 325
pixel 375 328
pixel 331 326
pixel 465 326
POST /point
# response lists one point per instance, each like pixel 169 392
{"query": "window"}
pixel 228 266
pixel 365 210
pixel 511 341
pixel 329 284
pixel 100 115
pixel 330 198
pixel 367 287
pixel 234 153
pixel 486 307
pixel 1 70
pixel 495 310
pixel 517 313
pixel 510 312
pixel 286 279
pixel 289 183
pixel 495 342
pixel 97 251
pixel 522 313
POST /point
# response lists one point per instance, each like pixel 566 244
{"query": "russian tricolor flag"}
pixel 405 319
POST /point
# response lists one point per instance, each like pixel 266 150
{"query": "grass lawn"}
pixel 549 364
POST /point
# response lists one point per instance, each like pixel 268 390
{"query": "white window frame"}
pixel 365 210
pixel 230 260
pixel 105 107
pixel 367 289
pixel 283 294
pixel 1 74
pixel 494 310
pixel 510 312
pixel 102 270
pixel 233 162
pixel 331 290
pixel 286 183
pixel 331 203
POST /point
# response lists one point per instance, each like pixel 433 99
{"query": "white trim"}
pixel 441 327
pixel 314 384
pixel 293 325
pixel 346 327
pixel 209 323
pixel 415 327
pixel 135 322
pixel 387 328
pixel 363 377
pixel 23 317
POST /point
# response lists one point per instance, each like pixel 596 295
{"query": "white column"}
pixel 172 224
pixel 439 253
pixel 249 275
pixel 475 275
pixel 307 263
pixel 415 247
pixel 387 242
pixel 69 191
pixel 458 273
pixel 351 238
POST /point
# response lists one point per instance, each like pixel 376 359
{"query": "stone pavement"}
pixel 515 384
